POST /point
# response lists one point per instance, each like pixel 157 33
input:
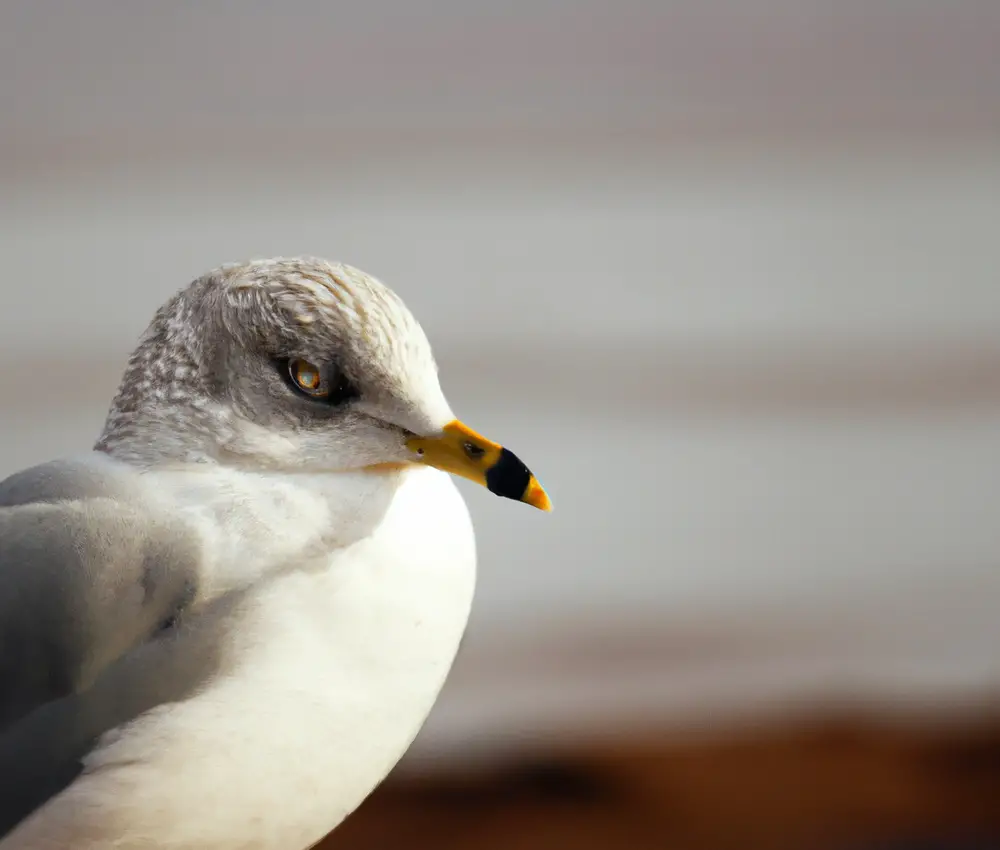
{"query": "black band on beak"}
pixel 508 477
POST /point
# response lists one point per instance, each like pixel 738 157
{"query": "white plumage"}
pixel 304 575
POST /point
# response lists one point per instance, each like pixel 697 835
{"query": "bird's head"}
pixel 298 365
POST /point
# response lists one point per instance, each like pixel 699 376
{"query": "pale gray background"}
pixel 726 275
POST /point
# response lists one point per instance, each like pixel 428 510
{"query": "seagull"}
pixel 223 626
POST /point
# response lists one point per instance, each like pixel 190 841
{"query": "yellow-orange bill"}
pixel 535 496
pixel 461 451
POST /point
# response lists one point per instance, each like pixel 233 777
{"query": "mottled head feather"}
pixel 202 384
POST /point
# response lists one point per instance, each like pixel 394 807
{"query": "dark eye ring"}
pixel 320 383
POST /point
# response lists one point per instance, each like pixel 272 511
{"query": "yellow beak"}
pixel 461 451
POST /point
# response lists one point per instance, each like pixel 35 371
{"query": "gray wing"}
pixel 88 571
pixel 43 753
pixel 92 576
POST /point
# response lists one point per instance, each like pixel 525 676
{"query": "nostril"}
pixel 473 451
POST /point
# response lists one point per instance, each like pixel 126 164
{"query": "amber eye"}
pixel 326 384
pixel 308 378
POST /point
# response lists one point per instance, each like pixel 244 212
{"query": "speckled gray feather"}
pixel 205 367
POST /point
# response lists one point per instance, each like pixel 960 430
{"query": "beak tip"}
pixel 535 496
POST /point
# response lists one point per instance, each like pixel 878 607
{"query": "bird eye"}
pixel 308 378
pixel 322 383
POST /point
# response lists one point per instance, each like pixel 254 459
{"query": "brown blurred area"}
pixel 726 276
pixel 824 786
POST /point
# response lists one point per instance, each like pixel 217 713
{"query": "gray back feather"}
pixel 43 753
pixel 92 583
pixel 86 573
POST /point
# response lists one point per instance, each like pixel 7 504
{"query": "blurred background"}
pixel 727 276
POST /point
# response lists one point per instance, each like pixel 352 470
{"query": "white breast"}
pixel 326 680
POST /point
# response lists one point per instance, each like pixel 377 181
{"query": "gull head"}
pixel 296 365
